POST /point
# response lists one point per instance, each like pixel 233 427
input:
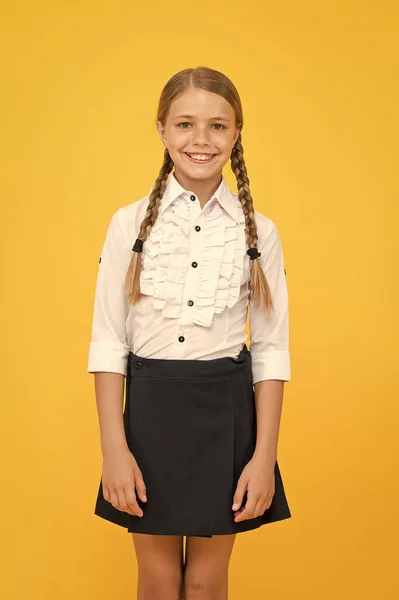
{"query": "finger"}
pixel 259 510
pixel 140 485
pixel 267 503
pixel 127 508
pixel 106 493
pixel 248 512
pixel 239 494
pixel 243 515
pixel 132 501
pixel 123 504
pixel 117 500
pixel 114 499
pixel 251 503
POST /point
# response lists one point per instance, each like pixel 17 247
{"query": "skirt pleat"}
pixel 191 426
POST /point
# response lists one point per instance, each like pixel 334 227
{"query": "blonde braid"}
pixel 259 288
pixel 132 280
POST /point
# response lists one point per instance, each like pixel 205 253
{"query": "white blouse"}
pixel 194 277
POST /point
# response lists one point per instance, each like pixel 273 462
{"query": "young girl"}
pixel 194 452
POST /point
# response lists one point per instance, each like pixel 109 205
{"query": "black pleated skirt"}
pixel 191 426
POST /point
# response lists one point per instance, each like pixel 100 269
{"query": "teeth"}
pixel 200 156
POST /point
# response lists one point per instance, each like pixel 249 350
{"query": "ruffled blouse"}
pixel 223 269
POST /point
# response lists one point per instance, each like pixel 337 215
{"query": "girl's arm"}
pixel 270 369
pixel 269 403
pixel 109 349
pixel 270 344
pixel 109 390
pixel 122 479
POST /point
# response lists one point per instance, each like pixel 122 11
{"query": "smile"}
pixel 199 158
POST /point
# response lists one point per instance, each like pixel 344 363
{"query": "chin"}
pixel 196 174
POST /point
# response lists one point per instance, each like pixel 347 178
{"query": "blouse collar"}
pixel 223 195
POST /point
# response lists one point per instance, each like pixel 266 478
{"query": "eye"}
pixel 219 126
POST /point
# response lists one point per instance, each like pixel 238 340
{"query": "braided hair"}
pixel 216 82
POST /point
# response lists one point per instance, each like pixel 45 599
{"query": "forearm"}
pixel 269 402
pixel 109 388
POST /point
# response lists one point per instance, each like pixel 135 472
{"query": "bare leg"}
pixel 206 567
pixel 160 566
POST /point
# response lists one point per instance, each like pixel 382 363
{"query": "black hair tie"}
pixel 138 245
pixel 253 253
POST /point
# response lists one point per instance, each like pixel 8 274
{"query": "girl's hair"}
pixel 213 81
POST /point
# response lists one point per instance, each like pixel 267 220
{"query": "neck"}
pixel 203 189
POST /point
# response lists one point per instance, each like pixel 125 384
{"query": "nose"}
pixel 201 136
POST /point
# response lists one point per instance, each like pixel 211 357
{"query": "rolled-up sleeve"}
pixel 109 350
pixel 269 332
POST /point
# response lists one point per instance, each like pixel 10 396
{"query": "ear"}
pixel 237 133
pixel 161 131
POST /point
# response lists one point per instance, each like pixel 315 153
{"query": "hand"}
pixel 121 476
pixel 258 481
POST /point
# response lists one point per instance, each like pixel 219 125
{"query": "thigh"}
pixel 206 563
pixel 159 556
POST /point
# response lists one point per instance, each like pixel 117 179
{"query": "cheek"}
pixel 225 145
pixel 178 139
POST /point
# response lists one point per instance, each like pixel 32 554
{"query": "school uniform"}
pixel 189 414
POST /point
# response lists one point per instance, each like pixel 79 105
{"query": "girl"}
pixel 194 452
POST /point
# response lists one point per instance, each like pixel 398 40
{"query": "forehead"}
pixel 201 104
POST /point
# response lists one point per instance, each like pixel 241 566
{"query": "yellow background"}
pixel 319 86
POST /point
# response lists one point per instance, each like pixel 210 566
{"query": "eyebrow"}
pixel 192 117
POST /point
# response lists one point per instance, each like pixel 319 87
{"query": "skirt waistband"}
pixel 140 366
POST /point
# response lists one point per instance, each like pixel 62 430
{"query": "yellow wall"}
pixel 318 81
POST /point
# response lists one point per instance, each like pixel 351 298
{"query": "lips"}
pixel 199 157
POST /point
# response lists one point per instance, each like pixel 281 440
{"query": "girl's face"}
pixel 199 133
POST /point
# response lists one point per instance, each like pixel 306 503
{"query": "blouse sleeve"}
pixel 269 333
pixel 109 348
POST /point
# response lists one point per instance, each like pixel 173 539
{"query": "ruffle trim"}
pixel 223 268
